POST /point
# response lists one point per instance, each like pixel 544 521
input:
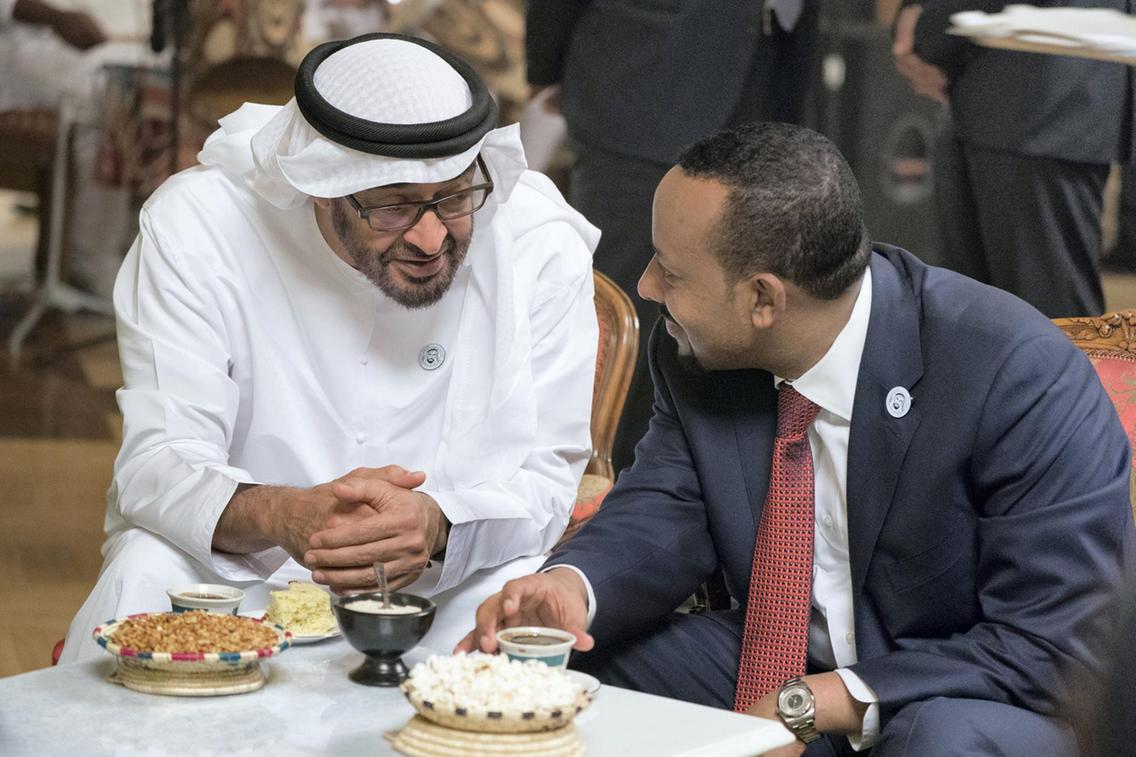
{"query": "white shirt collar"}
pixel 828 382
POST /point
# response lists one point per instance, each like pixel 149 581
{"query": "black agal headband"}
pixel 428 140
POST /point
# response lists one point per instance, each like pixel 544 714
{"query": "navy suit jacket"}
pixel 988 529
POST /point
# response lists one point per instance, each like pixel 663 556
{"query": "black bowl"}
pixel 382 637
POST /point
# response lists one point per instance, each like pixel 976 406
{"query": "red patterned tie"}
pixel 776 636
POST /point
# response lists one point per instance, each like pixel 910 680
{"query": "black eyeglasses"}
pixel 404 215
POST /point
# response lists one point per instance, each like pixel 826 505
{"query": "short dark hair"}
pixel 794 207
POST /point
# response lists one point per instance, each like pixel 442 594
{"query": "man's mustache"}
pixel 407 251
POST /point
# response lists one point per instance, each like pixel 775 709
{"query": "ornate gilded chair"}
pixel 1109 340
pixel 615 361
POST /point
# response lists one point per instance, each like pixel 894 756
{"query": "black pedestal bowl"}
pixel 382 637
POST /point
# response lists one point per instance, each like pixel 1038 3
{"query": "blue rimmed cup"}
pixel 548 645
pixel 218 598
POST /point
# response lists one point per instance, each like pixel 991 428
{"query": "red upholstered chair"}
pixel 615 362
pixel 1109 341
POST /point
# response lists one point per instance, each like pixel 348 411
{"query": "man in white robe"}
pixel 311 385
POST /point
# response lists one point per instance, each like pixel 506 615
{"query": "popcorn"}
pixel 492 683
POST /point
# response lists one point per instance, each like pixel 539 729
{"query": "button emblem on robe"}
pixel 431 357
pixel 898 402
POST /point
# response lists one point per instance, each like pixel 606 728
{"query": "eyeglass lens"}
pixel 391 217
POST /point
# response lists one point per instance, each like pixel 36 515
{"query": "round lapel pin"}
pixel 898 402
pixel 431 357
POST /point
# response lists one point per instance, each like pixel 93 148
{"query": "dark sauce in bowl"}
pixel 535 639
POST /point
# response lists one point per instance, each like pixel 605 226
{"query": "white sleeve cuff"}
pixel 862 692
pixel 253 566
pixel 587 587
pixel 454 569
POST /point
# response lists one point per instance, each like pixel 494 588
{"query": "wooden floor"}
pixel 59 432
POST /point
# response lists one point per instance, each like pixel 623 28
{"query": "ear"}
pixel 322 202
pixel 768 296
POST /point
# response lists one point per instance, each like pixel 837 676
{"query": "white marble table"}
pixel 309 707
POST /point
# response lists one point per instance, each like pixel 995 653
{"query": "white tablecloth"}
pixel 310 707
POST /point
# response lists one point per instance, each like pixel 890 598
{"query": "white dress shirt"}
pixel 832 641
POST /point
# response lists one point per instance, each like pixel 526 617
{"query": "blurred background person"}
pixel 50 56
pixel 636 83
pixel 1034 135
pixel 41 50
pixel 340 19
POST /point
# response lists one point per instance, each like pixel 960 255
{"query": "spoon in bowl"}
pixel 381 577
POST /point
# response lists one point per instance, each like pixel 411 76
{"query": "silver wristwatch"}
pixel 796 706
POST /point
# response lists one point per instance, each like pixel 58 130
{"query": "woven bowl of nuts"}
pixel 194 653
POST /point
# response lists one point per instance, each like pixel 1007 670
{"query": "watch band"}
pixel 805 731
pixel 803 725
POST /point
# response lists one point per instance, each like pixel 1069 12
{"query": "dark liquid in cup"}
pixel 536 639
pixel 200 595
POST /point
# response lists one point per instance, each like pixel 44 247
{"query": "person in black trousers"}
pixel 1035 135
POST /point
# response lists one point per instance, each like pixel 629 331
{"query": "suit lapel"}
pixel 754 403
pixel 878 441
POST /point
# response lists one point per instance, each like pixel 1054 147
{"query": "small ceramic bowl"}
pixel 382 636
pixel 548 645
pixel 217 598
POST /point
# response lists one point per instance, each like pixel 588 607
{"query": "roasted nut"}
pixel 195 631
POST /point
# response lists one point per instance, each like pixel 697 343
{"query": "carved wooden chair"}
pixel 235 52
pixel 615 361
pixel 1109 340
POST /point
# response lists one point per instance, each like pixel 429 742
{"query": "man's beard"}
pixel 687 360
pixel 409 291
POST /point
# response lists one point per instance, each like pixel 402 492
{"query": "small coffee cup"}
pixel 548 645
pixel 218 598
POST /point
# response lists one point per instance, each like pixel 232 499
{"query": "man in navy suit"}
pixel 967 480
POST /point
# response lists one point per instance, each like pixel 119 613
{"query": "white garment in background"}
pixel 542 131
pixel 40 70
pixel 325 20
pixel 252 353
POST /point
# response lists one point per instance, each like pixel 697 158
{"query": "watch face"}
pixel 794 701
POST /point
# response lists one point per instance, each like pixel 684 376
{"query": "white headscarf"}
pixel 285 160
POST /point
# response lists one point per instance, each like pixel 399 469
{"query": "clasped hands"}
pixel 341 528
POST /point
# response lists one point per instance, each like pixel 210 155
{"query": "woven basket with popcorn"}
pixel 492 694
